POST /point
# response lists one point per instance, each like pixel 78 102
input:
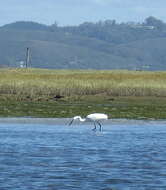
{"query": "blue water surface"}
pixel 58 157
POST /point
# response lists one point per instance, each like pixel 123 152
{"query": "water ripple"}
pixel 43 157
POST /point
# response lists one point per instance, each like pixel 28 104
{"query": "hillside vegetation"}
pixel 102 45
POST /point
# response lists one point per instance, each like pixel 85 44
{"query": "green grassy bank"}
pixel 120 94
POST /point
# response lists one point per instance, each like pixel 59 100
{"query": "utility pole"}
pixel 27 57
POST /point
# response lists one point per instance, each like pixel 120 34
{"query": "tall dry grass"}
pixel 42 82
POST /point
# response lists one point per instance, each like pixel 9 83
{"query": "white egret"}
pixel 96 118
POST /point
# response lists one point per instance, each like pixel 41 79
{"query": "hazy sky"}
pixel 72 12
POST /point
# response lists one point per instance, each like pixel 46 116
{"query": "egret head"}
pixel 76 118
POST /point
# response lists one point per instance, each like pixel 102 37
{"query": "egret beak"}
pixel 71 122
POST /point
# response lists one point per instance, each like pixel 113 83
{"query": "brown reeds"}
pixel 41 82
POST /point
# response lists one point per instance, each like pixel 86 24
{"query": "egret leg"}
pixel 94 129
pixel 100 126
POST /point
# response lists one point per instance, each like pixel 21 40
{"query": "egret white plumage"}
pixel 96 118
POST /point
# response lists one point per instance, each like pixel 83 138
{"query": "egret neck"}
pixel 79 118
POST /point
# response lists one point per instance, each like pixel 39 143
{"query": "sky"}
pixel 75 12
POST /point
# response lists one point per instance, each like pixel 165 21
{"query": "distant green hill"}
pixel 102 45
pixel 22 25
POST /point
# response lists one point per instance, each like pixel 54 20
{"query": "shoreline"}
pixel 139 108
pixel 62 121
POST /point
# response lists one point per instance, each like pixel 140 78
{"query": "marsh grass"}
pixel 34 83
pixel 120 94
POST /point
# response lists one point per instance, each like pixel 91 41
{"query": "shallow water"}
pixel 57 157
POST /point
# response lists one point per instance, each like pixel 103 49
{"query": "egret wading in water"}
pixel 96 118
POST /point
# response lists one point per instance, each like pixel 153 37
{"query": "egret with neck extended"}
pixel 96 118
